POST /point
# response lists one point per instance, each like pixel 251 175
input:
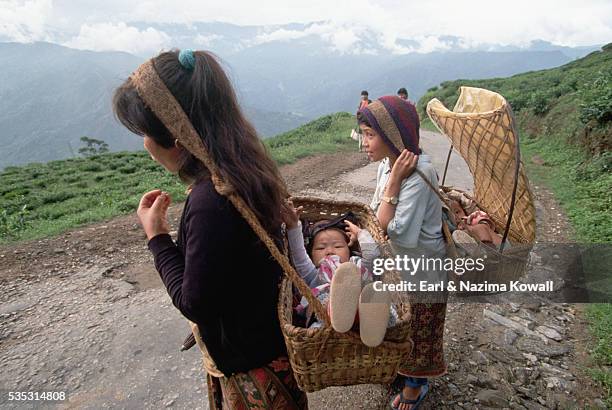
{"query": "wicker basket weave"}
pixel 481 128
pixel 322 357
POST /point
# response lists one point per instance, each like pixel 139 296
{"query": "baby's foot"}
pixel 467 243
pixel 344 296
pixel 374 310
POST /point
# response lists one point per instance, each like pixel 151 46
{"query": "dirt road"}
pixel 85 313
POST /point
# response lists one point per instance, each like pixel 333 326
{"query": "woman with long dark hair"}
pixel 219 274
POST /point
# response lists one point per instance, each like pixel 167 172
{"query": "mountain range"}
pixel 52 95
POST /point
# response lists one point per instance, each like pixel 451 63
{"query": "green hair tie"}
pixel 187 59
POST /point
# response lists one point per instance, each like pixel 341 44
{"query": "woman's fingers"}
pixel 407 163
pixel 147 199
pixel 168 201
pixel 413 158
pixel 161 202
pixel 155 200
pixel 407 156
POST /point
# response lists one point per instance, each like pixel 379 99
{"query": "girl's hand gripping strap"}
pixel 160 100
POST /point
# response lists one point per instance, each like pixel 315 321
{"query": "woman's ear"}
pixel 177 144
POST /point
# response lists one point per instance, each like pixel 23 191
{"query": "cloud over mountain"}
pixel 345 26
pixel 119 37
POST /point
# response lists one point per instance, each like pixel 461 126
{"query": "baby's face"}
pixel 457 210
pixel 330 242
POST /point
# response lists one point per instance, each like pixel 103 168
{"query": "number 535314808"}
pixel 36 395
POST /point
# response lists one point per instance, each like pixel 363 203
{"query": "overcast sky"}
pixel 105 24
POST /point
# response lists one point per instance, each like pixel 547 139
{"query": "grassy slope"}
pixel 59 195
pixel 564 115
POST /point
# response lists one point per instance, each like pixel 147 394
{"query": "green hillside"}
pixel 38 200
pixel 565 120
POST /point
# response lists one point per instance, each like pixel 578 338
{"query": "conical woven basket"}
pixel 481 128
pixel 322 357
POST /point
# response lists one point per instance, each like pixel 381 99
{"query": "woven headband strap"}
pixel 160 100
pixel 386 124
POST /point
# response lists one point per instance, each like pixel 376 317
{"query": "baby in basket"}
pixel 341 282
pixel 469 230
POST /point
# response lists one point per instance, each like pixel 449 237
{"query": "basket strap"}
pixel 451 245
pixel 160 100
pixel 429 184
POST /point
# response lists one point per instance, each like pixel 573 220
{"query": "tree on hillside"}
pixel 93 147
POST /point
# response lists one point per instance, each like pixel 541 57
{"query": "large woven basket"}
pixel 482 130
pixel 321 357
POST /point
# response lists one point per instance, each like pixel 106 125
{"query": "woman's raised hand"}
pixel 291 214
pixel 404 166
pixel 152 213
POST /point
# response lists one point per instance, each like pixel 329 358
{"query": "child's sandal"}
pixel 416 403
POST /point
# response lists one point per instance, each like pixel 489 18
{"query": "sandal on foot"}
pixel 416 403
pixel 374 311
pixel 344 296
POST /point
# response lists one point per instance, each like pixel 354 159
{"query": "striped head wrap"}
pixel 396 121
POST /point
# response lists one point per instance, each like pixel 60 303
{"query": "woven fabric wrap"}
pixel 387 125
pixel 481 128
pixel 320 357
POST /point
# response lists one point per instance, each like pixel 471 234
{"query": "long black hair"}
pixel 206 95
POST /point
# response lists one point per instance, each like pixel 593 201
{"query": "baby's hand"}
pixel 291 215
pixel 404 165
pixel 352 231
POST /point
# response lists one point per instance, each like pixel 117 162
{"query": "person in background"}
pixel 364 100
pixel 362 104
pixel 402 93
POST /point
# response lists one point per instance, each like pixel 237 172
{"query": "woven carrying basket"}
pixel 322 357
pixel 482 130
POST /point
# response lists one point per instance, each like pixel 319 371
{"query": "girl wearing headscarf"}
pixel 410 212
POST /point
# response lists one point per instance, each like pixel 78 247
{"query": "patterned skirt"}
pixel 427 332
pixel 269 387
